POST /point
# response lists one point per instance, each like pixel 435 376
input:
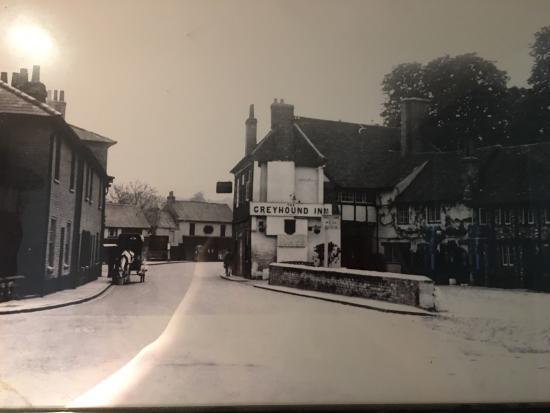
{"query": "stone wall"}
pixel 395 288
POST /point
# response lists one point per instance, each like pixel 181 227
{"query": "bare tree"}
pixel 135 193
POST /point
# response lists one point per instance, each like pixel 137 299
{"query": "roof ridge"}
pixel 29 99
pixel 298 118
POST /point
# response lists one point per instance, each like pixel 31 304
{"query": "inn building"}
pixel 361 196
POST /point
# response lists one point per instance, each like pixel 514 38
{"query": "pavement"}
pixel 335 298
pixel 78 295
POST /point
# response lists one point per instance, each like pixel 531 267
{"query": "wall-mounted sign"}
pixel 291 241
pixel 280 209
pixel 332 222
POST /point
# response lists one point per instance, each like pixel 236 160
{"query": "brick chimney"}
pixel 170 199
pixel 414 112
pixel 58 101
pixel 251 128
pixel 282 115
pixel 4 77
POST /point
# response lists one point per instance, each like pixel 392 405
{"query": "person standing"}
pixel 227 261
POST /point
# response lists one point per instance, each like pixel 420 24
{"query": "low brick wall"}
pixel 406 289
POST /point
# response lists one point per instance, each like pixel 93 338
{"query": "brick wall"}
pixel 395 288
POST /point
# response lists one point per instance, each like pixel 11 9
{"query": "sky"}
pixel 172 81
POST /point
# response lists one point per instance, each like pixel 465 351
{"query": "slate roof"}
pixel 201 211
pixel 89 136
pixel 124 216
pixel 14 101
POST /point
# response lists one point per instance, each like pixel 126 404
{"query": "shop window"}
pixel 361 213
pixel 403 215
pixel 290 226
pixel 348 213
pixel 208 229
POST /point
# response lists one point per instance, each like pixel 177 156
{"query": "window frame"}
pixel 403 214
pixel 52 235
pixel 482 216
pixel 437 212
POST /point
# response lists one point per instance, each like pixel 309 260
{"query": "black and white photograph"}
pixel 274 204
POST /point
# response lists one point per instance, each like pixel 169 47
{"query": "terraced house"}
pixel 393 201
pixel 52 190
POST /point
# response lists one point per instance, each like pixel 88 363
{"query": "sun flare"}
pixel 31 41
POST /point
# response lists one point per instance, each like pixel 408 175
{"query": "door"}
pixel 61 250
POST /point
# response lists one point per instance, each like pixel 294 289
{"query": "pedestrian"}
pixel 227 260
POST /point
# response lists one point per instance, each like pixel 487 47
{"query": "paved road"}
pixel 50 357
pixel 230 343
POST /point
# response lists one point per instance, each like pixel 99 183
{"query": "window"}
pixel 530 215
pixel 393 252
pixel 497 216
pixel 222 230
pixel 97 248
pixel 507 214
pixel 57 157
pixel 87 184
pixel 346 196
pixel 73 171
pixel 208 229
pixel 547 215
pixel 91 185
pixel 191 229
pixel 361 197
pixel 290 226
pixel 68 245
pixel 482 216
pixel 507 255
pixel 51 243
pixel 361 213
pixel 99 195
pixel 403 215
pixel 348 212
pixel 112 232
pixel 433 214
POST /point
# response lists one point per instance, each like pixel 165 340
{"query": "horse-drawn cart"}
pixel 124 257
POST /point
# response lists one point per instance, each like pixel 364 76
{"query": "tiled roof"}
pixel 442 179
pixel 515 174
pixel 160 218
pixel 13 101
pixel 124 216
pixel 201 211
pixel 87 135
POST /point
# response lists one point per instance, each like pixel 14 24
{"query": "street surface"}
pixel 50 357
pixel 188 337
pixel 230 343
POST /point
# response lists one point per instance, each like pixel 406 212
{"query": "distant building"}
pixel 124 218
pixel 371 197
pixel 52 190
pixel 203 229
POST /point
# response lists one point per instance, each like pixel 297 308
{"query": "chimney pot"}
pixel 62 96
pixel 282 100
pixel 15 79
pixel 251 132
pixel 275 100
pixel 36 74
pixel 55 95
pixel 4 77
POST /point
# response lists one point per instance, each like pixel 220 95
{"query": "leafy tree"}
pixel 468 99
pixel 540 72
pixel 199 196
pixel 405 81
pixel 135 193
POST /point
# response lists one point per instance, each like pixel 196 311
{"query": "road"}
pixel 230 343
pixel 50 357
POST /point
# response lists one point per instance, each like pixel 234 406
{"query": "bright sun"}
pixel 30 41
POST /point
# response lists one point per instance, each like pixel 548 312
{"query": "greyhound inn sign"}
pixel 280 209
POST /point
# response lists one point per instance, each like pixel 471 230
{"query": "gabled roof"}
pixel 124 216
pixel 88 136
pixel 201 211
pixel 14 101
